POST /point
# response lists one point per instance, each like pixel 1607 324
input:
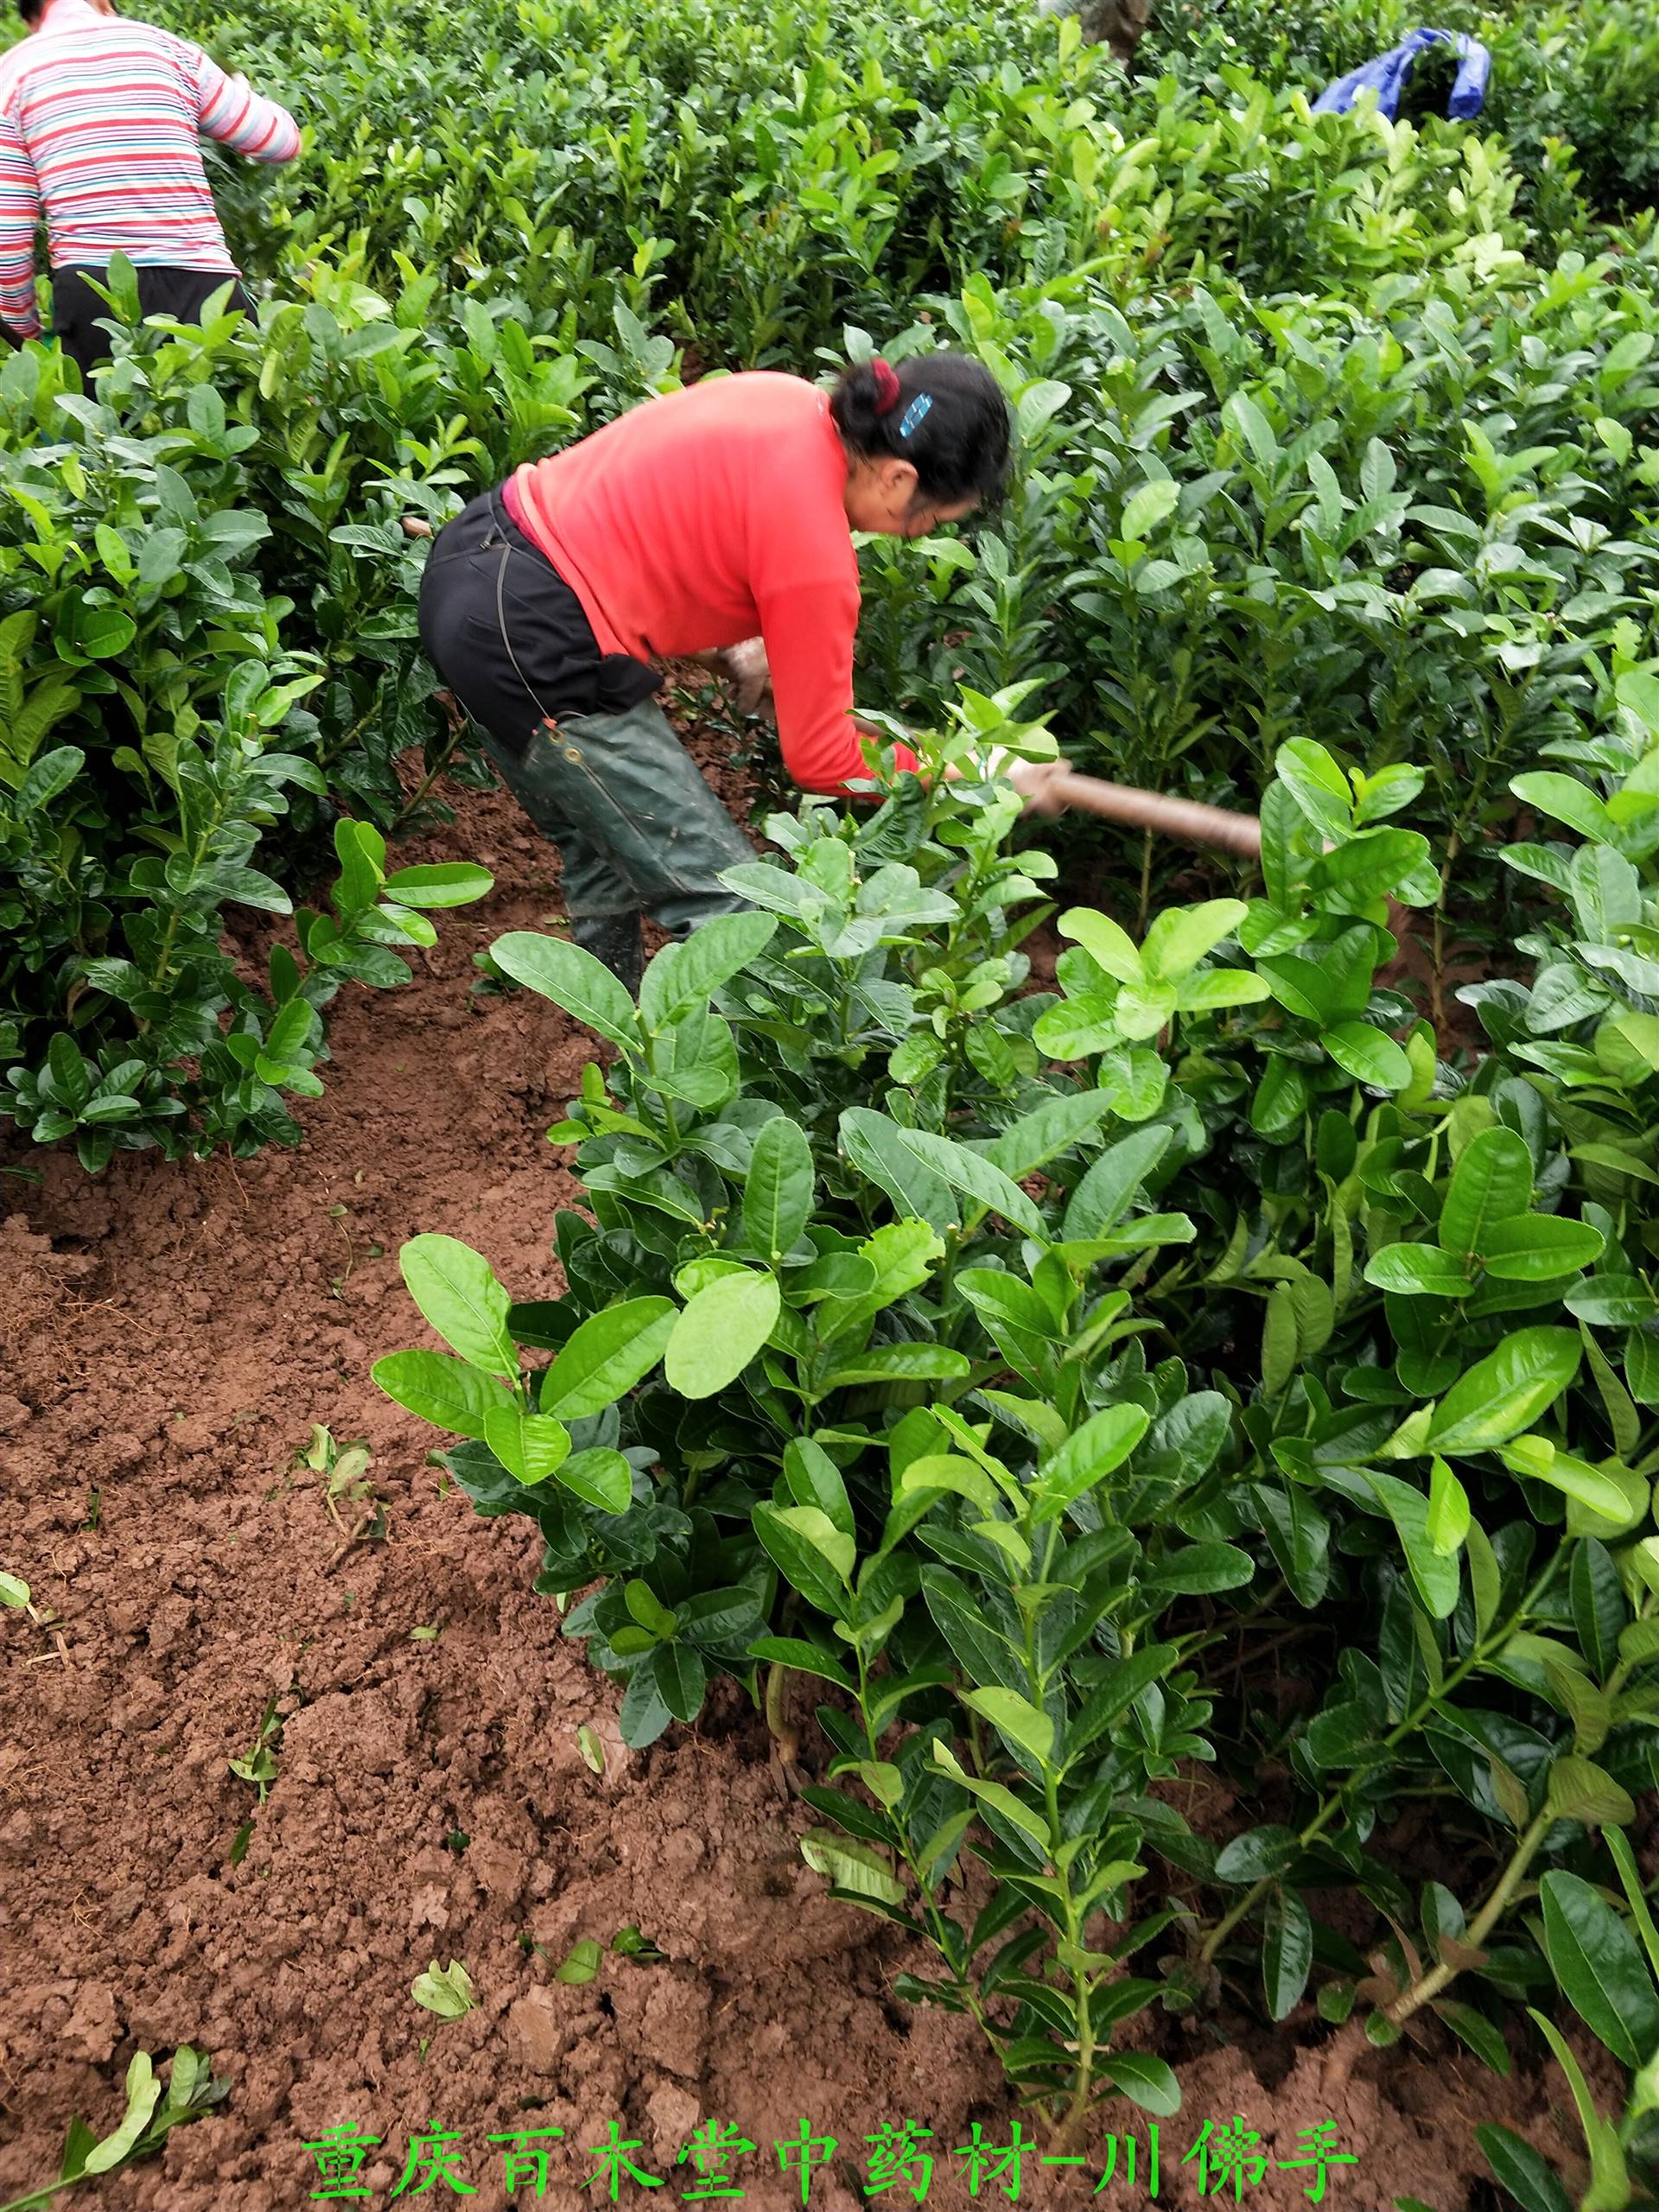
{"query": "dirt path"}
pixel 169 1335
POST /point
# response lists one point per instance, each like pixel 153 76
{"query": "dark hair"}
pixel 31 10
pixel 941 412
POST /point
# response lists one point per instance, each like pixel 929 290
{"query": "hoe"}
pixel 1185 820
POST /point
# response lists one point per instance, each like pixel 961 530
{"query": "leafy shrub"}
pixel 153 735
pixel 1309 444
pixel 1138 1327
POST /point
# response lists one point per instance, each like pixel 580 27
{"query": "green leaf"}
pixel 1536 1456
pixel 1107 945
pixel 681 1677
pixel 1609 2176
pixel 993 1794
pixel 982 1651
pixel 1528 2176
pixel 101 632
pixel 858 1868
pixel 446 883
pixel 531 1446
pixel 1446 1524
pixel 911 1362
pixel 1201 1570
pixel 815 1556
pixel 49 777
pixel 1377 862
pixel 600 1476
pixel 456 1289
pixel 1367 1055
pixel 815 1479
pixel 1286 1952
pixel 1280 1338
pixel 581 1963
pixel 1418 1271
pixel 1618 1847
pixel 804 1658
pixel 687 974
pixel 1103 1196
pixel 1182 936
pixel 1599 1608
pixel 1147 505
pixel 1152 1662
pixel 441 1389
pixel 1491 1183
pixel 1027 1723
pixel 606 1355
pixel 144 2094
pixel 875 1146
pixel 1437 1577
pixel 1507 1391
pixel 573 979
pixel 14 1591
pixel 1257 1855
pixel 777 1193
pixel 950 1472
pixel 1054 1126
pixel 720 1330
pixel 447 1990
pixel 1580 1790
pixel 1565 799
pixel 1145 2081
pixel 1473 2028
pixel 1086 1457
pixel 1321 790
pixel 1538 1246
pixel 973 1174
pixel 1600 1967
pixel 900 1256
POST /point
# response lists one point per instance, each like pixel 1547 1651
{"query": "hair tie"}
pixel 916 413
pixel 887 394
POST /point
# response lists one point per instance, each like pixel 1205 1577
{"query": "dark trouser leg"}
pixel 603 910
pixel 639 830
pixel 78 313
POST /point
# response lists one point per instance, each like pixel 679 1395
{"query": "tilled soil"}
pixel 170 1335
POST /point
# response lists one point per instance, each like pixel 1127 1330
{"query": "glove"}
pixel 746 669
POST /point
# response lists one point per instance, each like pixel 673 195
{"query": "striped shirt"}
pixel 100 125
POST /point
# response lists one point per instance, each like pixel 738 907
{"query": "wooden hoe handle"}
pixel 1183 819
pixel 1180 819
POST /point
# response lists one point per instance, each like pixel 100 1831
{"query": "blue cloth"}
pixel 1386 76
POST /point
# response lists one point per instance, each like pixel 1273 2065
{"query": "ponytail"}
pixel 941 412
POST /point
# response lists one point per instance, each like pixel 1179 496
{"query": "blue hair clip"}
pixel 915 413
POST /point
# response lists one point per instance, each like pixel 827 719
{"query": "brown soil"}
pixel 171 1333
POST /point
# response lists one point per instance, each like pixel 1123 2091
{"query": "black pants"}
pixel 578 738
pixel 77 311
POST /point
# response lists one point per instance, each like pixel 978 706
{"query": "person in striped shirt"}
pixel 100 125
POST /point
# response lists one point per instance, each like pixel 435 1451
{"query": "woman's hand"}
pixel 746 669
pixel 1035 782
pixel 1033 779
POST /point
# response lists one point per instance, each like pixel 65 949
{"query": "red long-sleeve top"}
pixel 703 517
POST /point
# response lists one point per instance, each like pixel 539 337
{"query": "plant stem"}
pixel 1484 1649
pixel 1430 1985
pixel 783 1735
pixel 426 784
pixel 936 1919
pixel 1437 980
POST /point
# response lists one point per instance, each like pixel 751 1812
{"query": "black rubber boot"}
pixel 616 940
